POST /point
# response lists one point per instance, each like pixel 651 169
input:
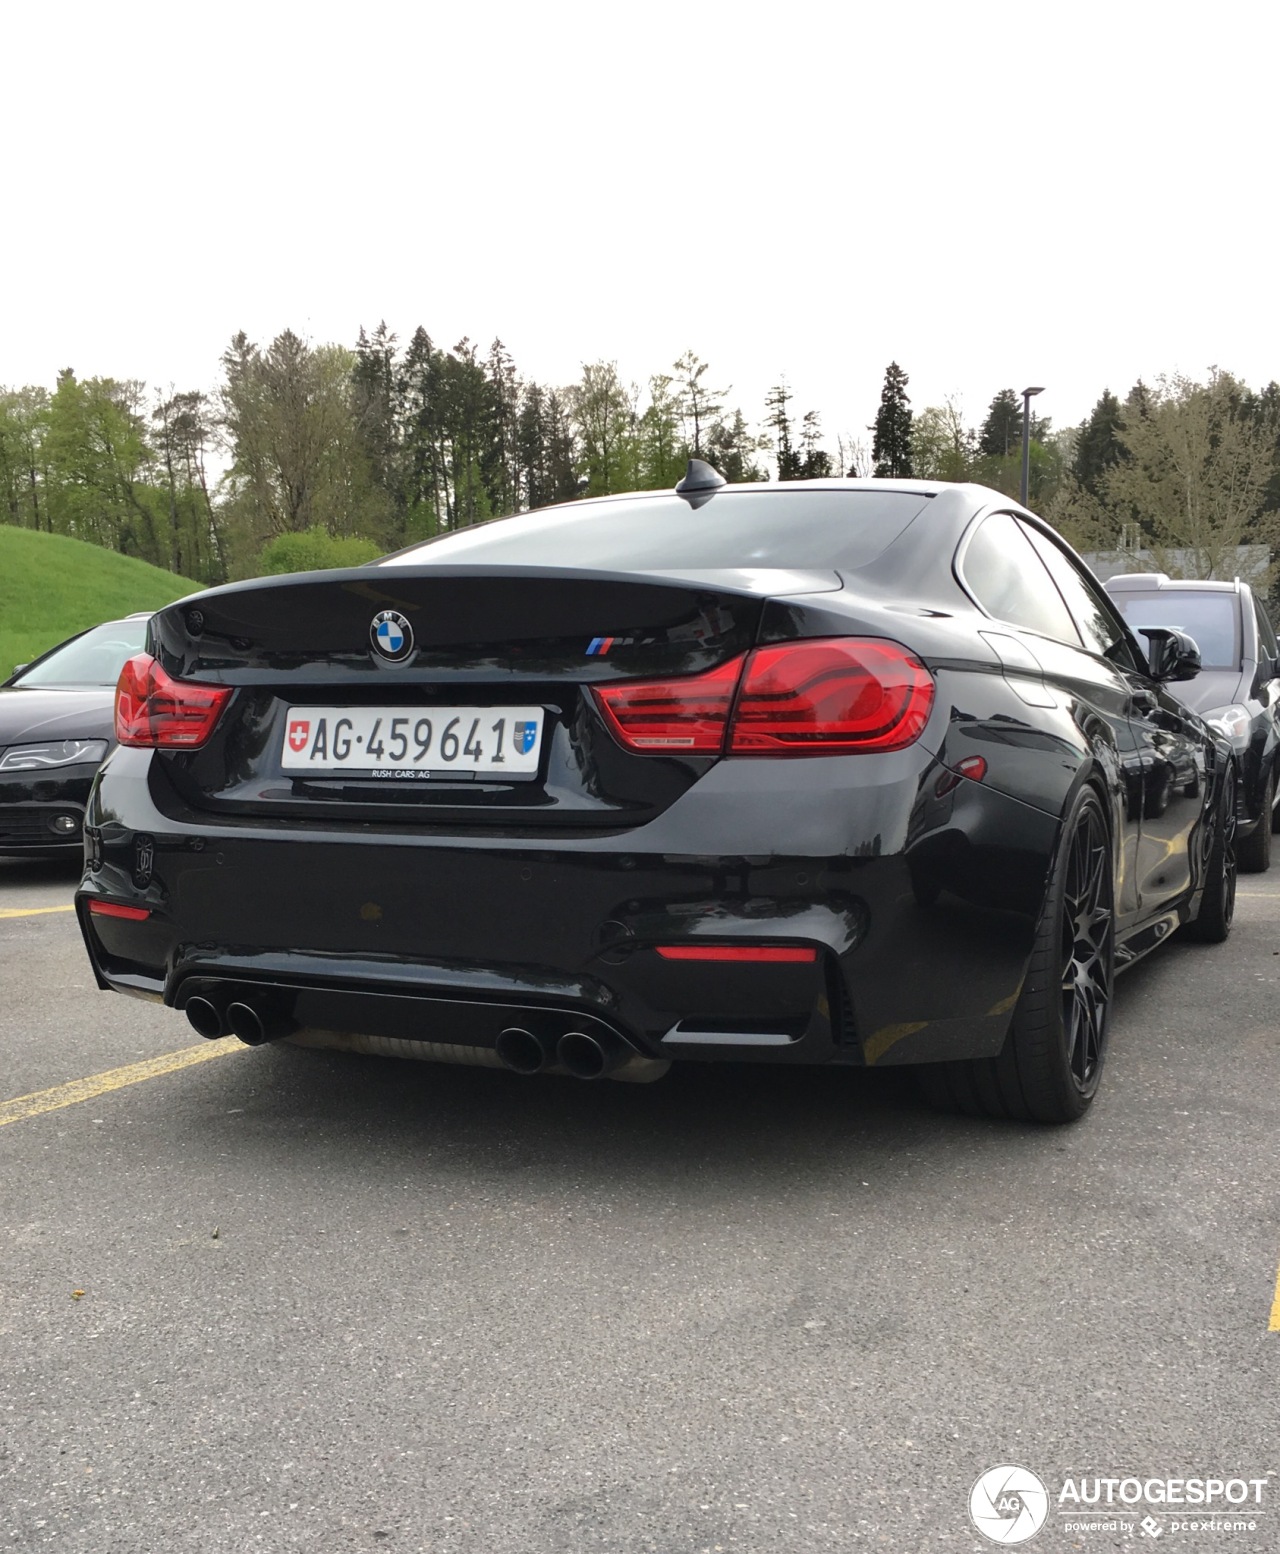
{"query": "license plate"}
pixel 400 742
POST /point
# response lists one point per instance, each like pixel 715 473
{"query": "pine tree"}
pixel 815 462
pixel 790 462
pixel 700 406
pixel 1001 433
pixel 374 402
pixel 731 448
pixel 891 448
pixel 1098 445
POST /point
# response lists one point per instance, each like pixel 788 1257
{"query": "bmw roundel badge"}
pixel 391 635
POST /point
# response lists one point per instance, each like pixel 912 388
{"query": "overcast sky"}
pixel 1064 193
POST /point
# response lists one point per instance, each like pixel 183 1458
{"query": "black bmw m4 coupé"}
pixel 852 772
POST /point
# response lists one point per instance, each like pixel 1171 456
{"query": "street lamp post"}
pixel 1026 438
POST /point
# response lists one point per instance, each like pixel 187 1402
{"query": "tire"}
pixel 1218 904
pixel 1253 852
pixel 1050 1065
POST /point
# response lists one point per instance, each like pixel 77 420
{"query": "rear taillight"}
pixel 156 712
pixel 843 693
pixel 676 717
pixel 825 697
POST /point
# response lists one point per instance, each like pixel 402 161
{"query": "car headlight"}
pixel 1232 721
pixel 63 752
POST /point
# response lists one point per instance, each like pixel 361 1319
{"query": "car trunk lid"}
pixel 467 656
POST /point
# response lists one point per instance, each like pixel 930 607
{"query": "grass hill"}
pixel 51 587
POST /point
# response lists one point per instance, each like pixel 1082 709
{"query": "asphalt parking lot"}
pixel 279 1299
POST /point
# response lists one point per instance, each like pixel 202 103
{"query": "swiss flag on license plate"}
pixel 299 733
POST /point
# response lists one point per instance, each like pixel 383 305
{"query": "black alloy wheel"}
pixel 1088 934
pixel 1051 1063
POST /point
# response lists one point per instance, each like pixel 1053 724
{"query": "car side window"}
pixel 1265 633
pixel 1100 624
pixel 1001 571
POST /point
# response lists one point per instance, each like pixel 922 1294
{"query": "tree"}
pixel 500 461
pixel 1000 436
pixel 1099 446
pixel 891 445
pixel 183 432
pixel 700 406
pixel 731 448
pixel 97 466
pixel 790 460
pixel 942 446
pixel 466 431
pixel 298 458
pixel 815 462
pixel 24 421
pixel 603 411
pixel 1196 475
pixel 663 451
pixel 377 392
pixel 545 448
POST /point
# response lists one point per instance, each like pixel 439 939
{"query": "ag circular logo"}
pixel 1008 1505
pixel 391 635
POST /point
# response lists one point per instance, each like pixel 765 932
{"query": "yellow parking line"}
pixel 1274 1325
pixel 32 911
pixel 88 1089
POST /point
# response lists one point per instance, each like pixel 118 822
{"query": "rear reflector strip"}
pixel 98 908
pixel 738 952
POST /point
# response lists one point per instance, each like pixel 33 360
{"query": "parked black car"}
pixel 56 727
pixel 859 772
pixel 1237 690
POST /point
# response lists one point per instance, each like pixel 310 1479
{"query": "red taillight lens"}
pixel 828 696
pixel 676 717
pixel 156 712
pixel 825 697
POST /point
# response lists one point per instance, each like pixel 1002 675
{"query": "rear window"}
pixel 1209 617
pixel 794 530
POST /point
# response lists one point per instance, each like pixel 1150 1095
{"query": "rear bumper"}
pixel 918 907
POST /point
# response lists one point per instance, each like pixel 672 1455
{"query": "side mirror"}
pixel 1172 655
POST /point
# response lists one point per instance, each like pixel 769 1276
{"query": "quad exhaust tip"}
pixel 204 1017
pixel 253 1026
pixel 585 1057
pixel 256 1026
pixel 521 1051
